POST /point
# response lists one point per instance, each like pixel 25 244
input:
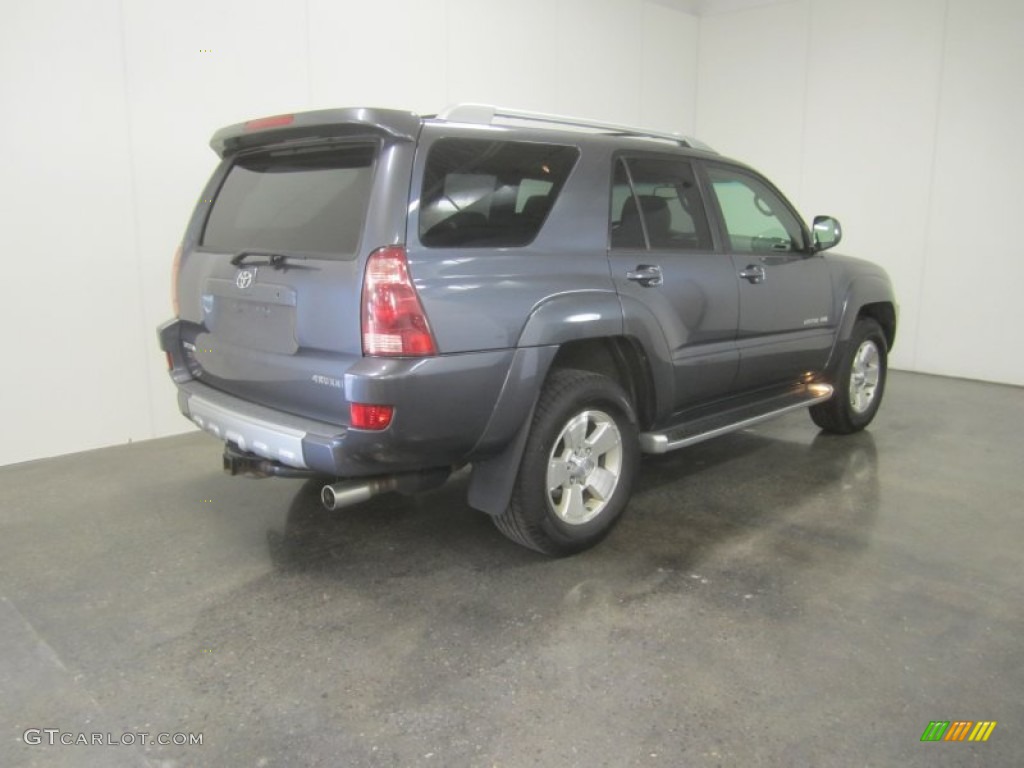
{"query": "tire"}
pixel 578 465
pixel 859 384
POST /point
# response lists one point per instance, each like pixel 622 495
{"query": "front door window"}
pixel 756 220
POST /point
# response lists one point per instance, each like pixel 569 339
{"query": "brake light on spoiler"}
pixel 274 121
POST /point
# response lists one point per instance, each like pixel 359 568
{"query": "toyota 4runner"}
pixel 381 298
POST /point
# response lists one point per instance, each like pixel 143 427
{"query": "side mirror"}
pixel 827 233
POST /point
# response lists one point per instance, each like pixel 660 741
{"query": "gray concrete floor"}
pixel 772 598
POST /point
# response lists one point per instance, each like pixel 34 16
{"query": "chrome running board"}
pixel 707 427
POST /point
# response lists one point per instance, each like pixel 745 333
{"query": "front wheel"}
pixel 860 381
pixel 578 465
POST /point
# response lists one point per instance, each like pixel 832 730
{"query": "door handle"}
pixel 647 275
pixel 754 273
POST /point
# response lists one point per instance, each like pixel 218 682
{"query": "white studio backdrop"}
pixel 903 118
pixel 895 116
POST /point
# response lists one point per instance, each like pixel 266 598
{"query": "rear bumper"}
pixel 282 437
pixel 443 406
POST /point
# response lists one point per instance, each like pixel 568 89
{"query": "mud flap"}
pixel 493 479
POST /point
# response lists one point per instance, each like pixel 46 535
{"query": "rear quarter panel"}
pixel 482 298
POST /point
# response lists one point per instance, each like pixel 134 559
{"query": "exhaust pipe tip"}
pixel 327 497
pixel 350 492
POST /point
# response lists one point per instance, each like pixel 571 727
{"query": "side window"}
pixel 478 192
pixel 662 203
pixel 756 218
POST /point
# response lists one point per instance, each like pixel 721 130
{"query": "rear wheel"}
pixel 578 465
pixel 860 381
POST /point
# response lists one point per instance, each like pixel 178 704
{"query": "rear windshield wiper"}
pixel 276 259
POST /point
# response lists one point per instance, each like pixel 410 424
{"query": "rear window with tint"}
pixel 478 192
pixel 299 200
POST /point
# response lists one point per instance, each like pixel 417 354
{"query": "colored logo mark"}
pixel 958 730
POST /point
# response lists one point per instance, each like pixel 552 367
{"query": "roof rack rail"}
pixel 485 114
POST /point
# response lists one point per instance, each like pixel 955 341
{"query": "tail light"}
pixel 175 268
pixel 394 323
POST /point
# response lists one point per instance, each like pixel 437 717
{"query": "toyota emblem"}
pixel 244 279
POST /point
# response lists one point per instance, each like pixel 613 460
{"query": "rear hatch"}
pixel 271 271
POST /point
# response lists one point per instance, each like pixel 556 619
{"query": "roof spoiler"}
pixel 323 123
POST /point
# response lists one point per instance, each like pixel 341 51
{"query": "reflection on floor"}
pixel 775 597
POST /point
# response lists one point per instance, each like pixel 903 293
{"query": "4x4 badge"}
pixel 244 279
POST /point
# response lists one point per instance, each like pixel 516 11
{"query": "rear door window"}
pixel 657 204
pixel 310 200
pixel 478 192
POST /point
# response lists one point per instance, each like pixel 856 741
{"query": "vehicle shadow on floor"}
pixel 824 491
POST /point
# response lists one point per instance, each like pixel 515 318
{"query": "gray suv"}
pixel 381 298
